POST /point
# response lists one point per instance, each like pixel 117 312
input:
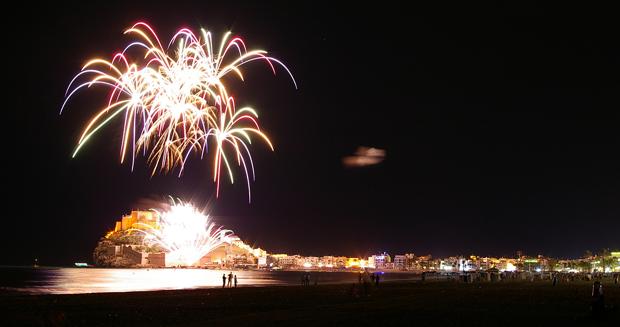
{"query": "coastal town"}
pixel 123 247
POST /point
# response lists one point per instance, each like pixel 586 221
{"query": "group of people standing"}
pixel 365 278
pixel 305 280
pixel 231 277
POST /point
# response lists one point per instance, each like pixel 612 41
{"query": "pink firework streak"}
pixel 174 100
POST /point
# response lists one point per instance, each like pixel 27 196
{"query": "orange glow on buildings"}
pixel 137 219
pixel 356 263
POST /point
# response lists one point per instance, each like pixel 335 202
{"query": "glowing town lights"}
pixel 510 267
pixel 307 265
pixel 185 234
pixel 355 263
pixel 174 100
pixel 445 267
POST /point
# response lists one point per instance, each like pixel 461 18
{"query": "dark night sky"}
pixel 500 126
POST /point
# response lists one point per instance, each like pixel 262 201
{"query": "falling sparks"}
pixel 174 102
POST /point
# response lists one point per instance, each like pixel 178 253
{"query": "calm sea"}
pixel 97 280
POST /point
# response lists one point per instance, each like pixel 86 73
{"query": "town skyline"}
pixel 124 246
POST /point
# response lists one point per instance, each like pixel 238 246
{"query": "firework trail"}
pixel 174 102
pixel 185 234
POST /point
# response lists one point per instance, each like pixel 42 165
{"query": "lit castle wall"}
pixel 138 220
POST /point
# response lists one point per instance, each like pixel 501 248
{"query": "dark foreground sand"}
pixel 446 303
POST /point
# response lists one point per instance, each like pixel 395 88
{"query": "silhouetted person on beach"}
pixel 223 280
pixel 359 277
pixel 354 291
pixel 377 280
pixel 235 281
pixel 616 278
pixel 598 301
pixel 230 279
pixel 554 279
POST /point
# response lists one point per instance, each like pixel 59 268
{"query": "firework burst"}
pixel 185 234
pixel 174 100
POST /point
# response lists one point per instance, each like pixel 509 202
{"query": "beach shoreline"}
pixel 390 303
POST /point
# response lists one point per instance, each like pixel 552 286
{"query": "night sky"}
pixel 500 128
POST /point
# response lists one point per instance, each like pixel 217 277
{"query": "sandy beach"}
pixel 441 303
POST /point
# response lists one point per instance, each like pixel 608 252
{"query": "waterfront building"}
pixel 381 260
pixel 400 262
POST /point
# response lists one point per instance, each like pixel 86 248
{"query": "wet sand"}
pixel 438 303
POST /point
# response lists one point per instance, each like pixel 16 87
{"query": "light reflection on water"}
pixel 97 280
pixel 126 280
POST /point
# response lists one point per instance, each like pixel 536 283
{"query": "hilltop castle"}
pixel 123 247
